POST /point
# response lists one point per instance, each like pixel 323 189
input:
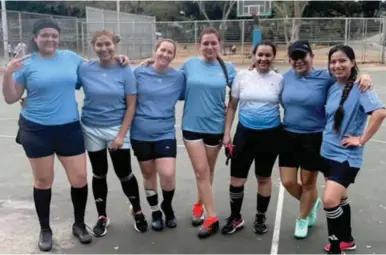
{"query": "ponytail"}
pixel 339 114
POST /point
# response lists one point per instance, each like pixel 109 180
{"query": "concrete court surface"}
pixel 19 225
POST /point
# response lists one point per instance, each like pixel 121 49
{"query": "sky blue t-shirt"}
pixel 303 99
pixel 204 109
pixel 356 109
pixel 258 95
pixel 50 85
pixel 105 90
pixel 157 95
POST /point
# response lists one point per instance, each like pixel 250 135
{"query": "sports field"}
pixel 19 225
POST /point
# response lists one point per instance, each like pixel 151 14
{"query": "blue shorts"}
pixel 341 173
pixel 145 150
pixel 41 141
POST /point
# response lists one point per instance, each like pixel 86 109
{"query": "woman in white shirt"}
pixel 258 134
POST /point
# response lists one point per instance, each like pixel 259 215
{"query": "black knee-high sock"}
pixel 262 204
pixel 236 195
pixel 152 199
pixel 42 198
pixel 99 189
pixel 99 165
pixel 131 190
pixel 79 201
pixel 122 165
pixel 167 198
pixel 347 237
pixel 335 225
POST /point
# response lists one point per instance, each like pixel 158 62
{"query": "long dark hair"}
pixel 37 26
pixel 349 52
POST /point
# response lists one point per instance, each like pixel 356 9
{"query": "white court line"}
pixel 276 230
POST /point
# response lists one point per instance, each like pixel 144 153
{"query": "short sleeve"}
pixel 232 73
pixel 370 101
pixel 130 81
pixel 20 77
pixel 235 90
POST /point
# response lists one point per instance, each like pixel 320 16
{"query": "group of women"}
pixel 324 129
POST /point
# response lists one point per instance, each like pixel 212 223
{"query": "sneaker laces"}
pixel 102 221
pixel 209 222
pixel 302 223
pixel 198 210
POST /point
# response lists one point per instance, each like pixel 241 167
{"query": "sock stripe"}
pixel 236 195
pixel 334 213
pixel 344 202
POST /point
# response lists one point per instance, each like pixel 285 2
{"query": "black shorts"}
pixel 261 146
pixel 145 151
pixel 341 173
pixel 41 141
pixel 211 140
pixel 301 151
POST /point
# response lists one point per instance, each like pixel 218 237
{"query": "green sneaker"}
pixel 313 216
pixel 301 228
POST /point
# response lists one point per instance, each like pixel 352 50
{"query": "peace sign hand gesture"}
pixel 16 63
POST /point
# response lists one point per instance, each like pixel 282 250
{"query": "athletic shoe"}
pixel 140 223
pixel 197 215
pixel 79 230
pixel 344 246
pixel 170 218
pixel 259 226
pixel 233 224
pixel 301 228
pixel 210 227
pixel 313 216
pixel 100 228
pixel 157 223
pixel 45 240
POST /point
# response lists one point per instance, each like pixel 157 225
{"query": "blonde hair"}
pixel 112 35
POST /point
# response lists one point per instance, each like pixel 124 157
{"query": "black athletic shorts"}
pixel 145 151
pixel 341 173
pixel 261 146
pixel 211 140
pixel 40 140
pixel 301 151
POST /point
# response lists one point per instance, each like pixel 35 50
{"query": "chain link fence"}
pixel 137 32
pixel 365 35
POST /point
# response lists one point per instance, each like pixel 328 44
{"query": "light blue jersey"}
pixel 303 100
pixel 157 96
pixel 204 109
pixel 258 95
pixel 105 90
pixel 50 85
pixel 356 109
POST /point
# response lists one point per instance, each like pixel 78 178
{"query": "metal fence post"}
pixel 20 27
pixel 195 33
pixel 382 60
pixel 346 31
pixel 242 40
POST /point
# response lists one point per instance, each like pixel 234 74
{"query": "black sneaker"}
pixel 140 222
pixel 45 240
pixel 210 227
pixel 233 224
pixel 259 226
pixel 157 223
pixel 100 228
pixel 170 218
pixel 79 230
